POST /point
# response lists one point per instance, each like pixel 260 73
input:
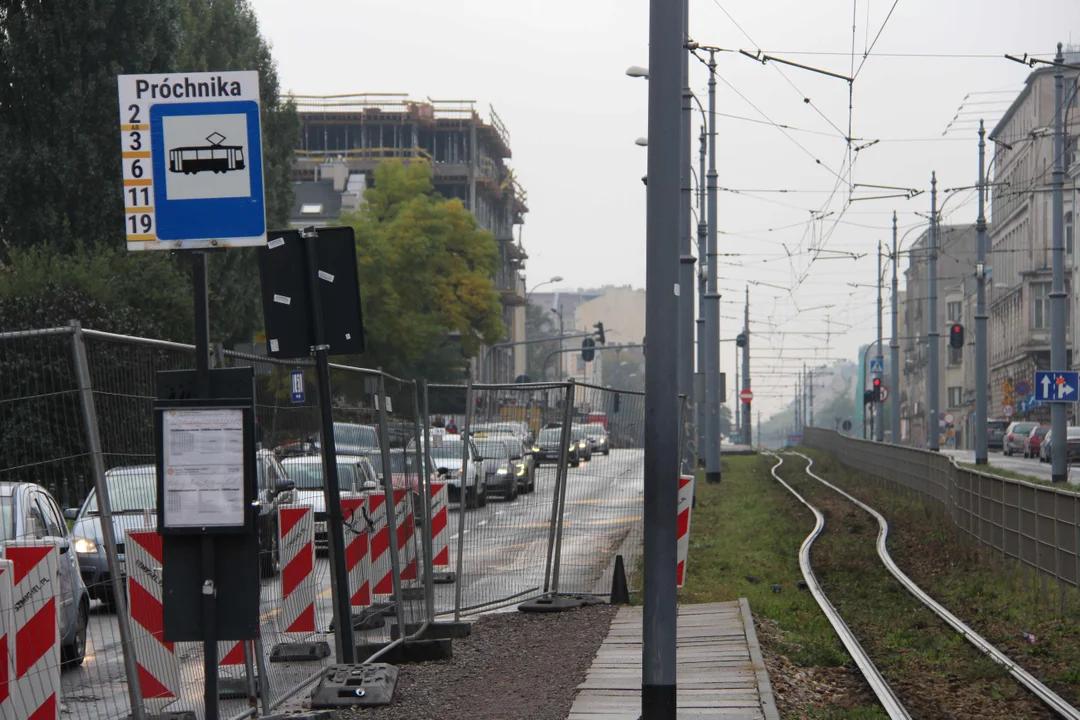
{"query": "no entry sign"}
pixel 746 396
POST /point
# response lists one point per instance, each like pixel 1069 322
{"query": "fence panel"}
pixel 1035 525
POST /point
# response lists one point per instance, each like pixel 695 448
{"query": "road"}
pixel 505 552
pixel 1017 464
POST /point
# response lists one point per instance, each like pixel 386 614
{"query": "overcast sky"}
pixel 555 73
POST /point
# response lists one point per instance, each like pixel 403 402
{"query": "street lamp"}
pixel 557 278
pixel 642 142
pixel 636 71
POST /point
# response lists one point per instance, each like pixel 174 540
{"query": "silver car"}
pixel 1015 436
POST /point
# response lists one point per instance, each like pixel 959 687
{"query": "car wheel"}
pixel 471 499
pixel 532 482
pixel 74 653
pixel 483 498
pixel 270 564
pixel 512 491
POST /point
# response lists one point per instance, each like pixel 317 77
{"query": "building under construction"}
pixel 344 137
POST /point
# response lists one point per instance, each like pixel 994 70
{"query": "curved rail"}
pixel 873 676
pixel 1048 696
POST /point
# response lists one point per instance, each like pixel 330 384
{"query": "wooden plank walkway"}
pixel 720 671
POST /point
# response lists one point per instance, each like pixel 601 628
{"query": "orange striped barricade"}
pixel 296 543
pixel 686 498
pixel 440 534
pixel 35 583
pixel 159 668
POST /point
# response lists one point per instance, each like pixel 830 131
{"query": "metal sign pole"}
pixel 339 577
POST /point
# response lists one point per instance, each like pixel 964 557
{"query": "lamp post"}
pixel 557 278
pixel 562 366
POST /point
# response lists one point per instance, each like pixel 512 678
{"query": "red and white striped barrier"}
pixel 35 580
pixel 7 645
pixel 381 568
pixel 686 501
pixel 357 561
pixel 297 547
pixel 440 531
pixel 159 668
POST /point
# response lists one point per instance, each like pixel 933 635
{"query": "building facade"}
pixel 622 311
pixel 1021 240
pixel 343 138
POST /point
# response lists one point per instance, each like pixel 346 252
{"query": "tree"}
pixel 539 322
pixel 425 274
pixel 725 420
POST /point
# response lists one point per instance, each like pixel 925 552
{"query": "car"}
pixel 995 433
pixel 403 472
pixel 1034 440
pixel 29 512
pixel 548 448
pixel 520 450
pixel 579 435
pixel 1045 447
pixel 355 439
pixel 1015 435
pixel 501 470
pixel 598 438
pixel 447 458
pixel 356 475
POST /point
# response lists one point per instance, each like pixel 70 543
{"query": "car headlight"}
pixel 502 471
pixel 85 546
pixel 520 470
pixel 602 440
pixel 536 449
pixel 571 448
pixel 581 444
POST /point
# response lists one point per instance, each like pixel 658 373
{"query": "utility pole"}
pixel 701 408
pixel 685 352
pixel 746 370
pixel 982 382
pixel 810 387
pixel 933 441
pixel 880 436
pixel 805 402
pixel 1059 471
pixel 712 299
pixel 662 452
pixel 759 427
pixel 894 347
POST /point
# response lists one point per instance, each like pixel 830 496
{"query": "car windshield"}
pixel 1039 432
pixel 129 491
pixel 1073 432
pixel 398 462
pixel 579 433
pixel 307 474
pixel 997 425
pixel 1023 428
pixel 595 429
pixel 550 435
pixel 355 436
pixel 492 449
pixel 450 453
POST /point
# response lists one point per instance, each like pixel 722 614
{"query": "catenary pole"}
pixel 879 408
pixel 746 439
pixel 685 351
pixel 982 382
pixel 810 387
pixel 1059 471
pixel 894 347
pixel 933 428
pixel 661 452
pixel 701 408
pixel 712 299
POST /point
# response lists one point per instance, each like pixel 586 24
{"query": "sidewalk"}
pixel 720 671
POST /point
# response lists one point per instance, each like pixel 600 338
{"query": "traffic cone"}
pixel 620 593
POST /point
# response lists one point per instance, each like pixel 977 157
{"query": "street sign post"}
pixel 746 395
pixel 191 146
pixel 1007 411
pixel 877 366
pixel 1057 386
pixel 884 394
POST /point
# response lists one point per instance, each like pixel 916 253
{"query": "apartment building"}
pixel 1020 238
pixel 343 138
pixel 955 263
pixel 622 310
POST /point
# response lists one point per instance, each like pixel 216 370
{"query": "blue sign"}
pixel 297 379
pixel 877 366
pixel 1053 386
pixel 1022 388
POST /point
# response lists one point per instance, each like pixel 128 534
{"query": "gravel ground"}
pixel 514 666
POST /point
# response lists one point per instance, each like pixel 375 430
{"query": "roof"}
pixel 316 201
pixel 1029 83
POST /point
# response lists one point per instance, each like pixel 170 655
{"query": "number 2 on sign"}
pixel 137 224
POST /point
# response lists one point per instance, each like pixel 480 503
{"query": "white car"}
pixel 355 476
pixel 446 455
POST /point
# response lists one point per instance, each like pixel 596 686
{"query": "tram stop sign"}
pixel 746 396
pixel 191 145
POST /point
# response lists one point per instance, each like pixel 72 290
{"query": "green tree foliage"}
pixel 59 146
pixel 540 322
pixel 425 274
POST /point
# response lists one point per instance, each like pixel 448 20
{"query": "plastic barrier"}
pixel 159 668
pixel 7 647
pixel 379 551
pixel 297 534
pixel 357 561
pixel 686 502
pixel 35 578
pixel 440 532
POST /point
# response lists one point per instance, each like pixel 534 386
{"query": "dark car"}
pixel 354 439
pixel 503 473
pixel 995 433
pixel 549 447
pixel 580 435
pixel 598 438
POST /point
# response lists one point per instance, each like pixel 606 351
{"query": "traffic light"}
pixel 867 397
pixel 600 333
pixel 617 402
pixel 956 335
pixel 587 351
pixel 876 392
pixel 740 340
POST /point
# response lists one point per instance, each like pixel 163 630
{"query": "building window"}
pixel 956 396
pixel 1040 305
pixel 954 311
pixel 956 355
pixel 1068 233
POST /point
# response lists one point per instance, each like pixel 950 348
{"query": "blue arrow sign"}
pixel 877 366
pixel 1055 386
pixel 297 379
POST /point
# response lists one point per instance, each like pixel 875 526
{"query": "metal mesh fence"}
pixel 1033 525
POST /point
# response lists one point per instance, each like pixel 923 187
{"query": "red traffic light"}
pixel 877 382
pixel 956 335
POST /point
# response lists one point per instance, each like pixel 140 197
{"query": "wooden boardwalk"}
pixel 720 672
